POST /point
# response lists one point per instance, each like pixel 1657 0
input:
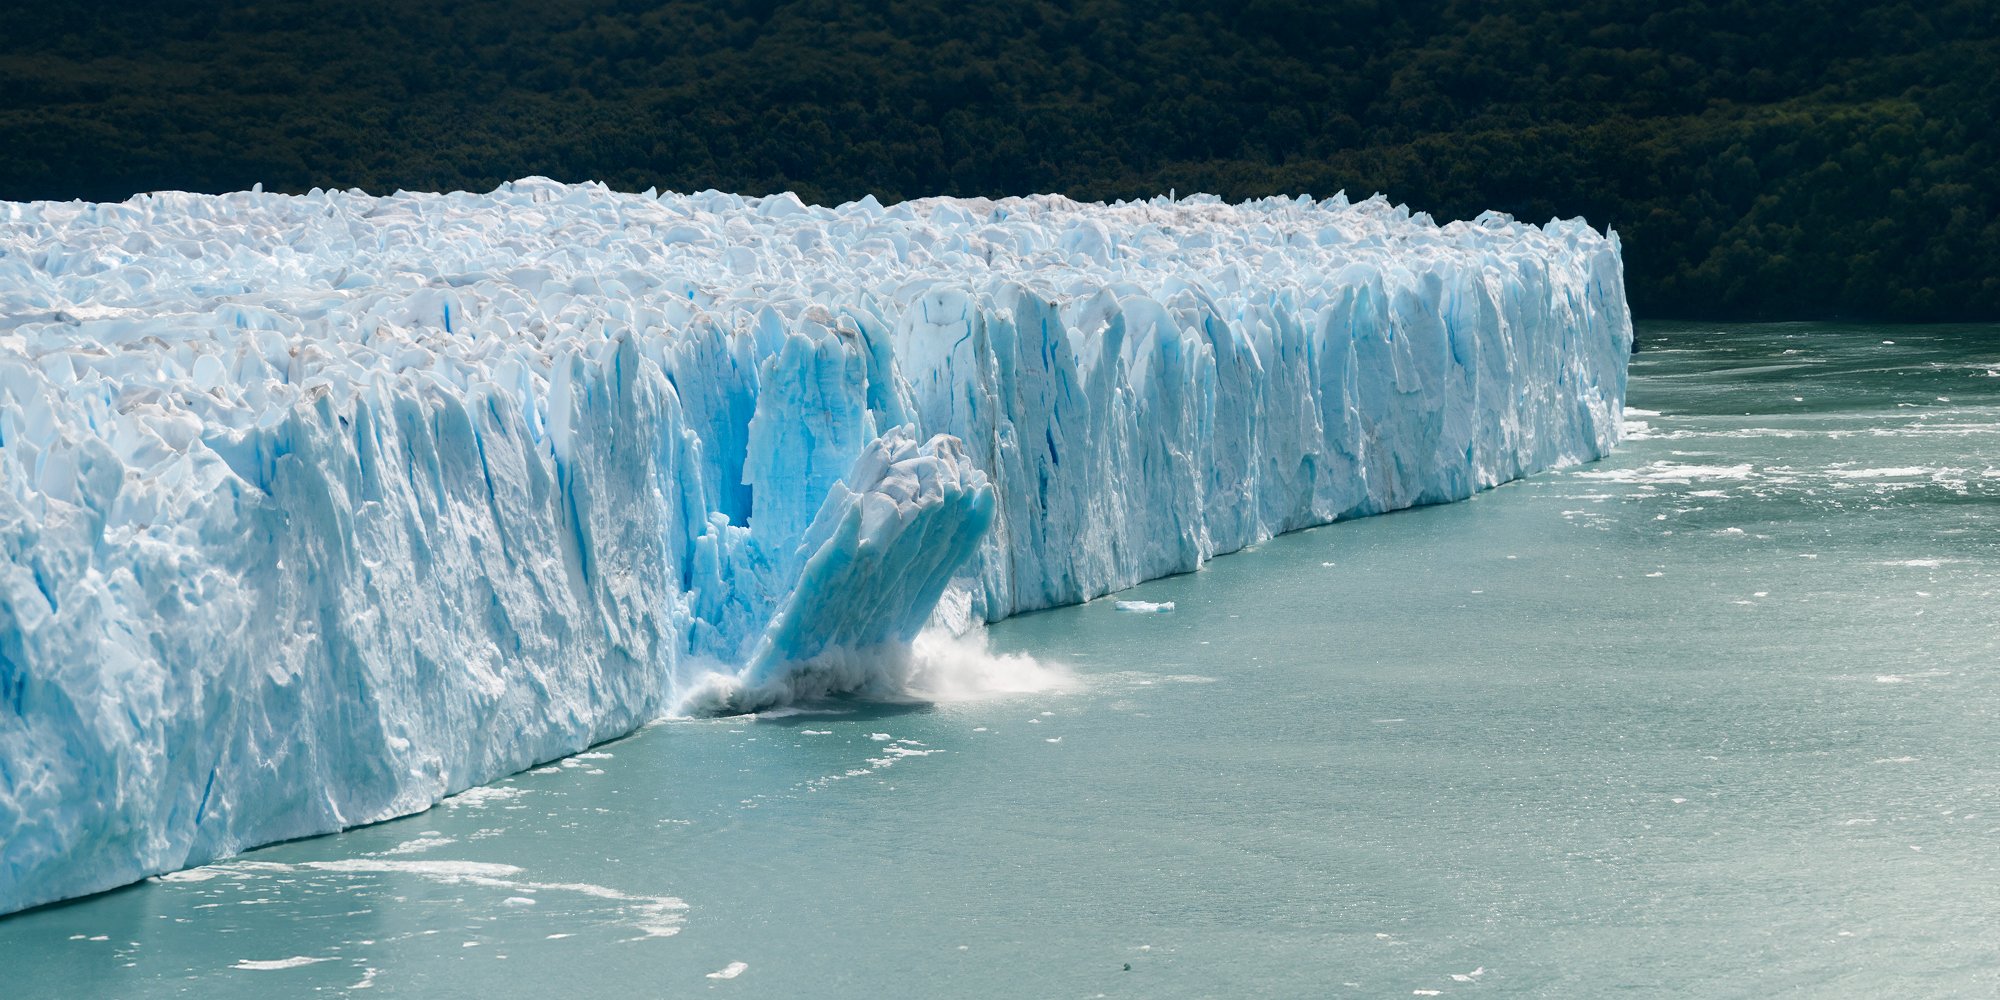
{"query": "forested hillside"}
pixel 1760 160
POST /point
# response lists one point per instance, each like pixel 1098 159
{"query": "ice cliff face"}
pixel 316 509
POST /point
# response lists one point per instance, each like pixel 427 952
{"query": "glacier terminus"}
pixel 315 509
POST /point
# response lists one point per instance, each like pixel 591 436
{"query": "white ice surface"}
pixel 314 510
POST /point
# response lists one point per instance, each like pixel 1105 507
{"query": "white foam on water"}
pixel 652 916
pixel 1667 472
pixel 190 875
pixel 272 965
pixel 419 845
pixel 1143 678
pixel 786 712
pixel 1899 472
pixel 441 870
pixel 948 668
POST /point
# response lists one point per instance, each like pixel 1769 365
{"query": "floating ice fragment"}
pixel 730 971
pixel 272 965
pixel 1146 607
pixel 419 845
pixel 189 875
pixel 486 795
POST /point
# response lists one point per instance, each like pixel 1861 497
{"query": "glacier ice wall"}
pixel 316 509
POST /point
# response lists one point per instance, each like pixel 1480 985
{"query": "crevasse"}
pixel 316 509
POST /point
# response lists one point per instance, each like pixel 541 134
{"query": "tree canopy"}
pixel 1806 159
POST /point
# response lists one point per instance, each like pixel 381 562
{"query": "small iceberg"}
pixel 1146 607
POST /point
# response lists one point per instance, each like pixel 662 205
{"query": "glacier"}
pixel 315 509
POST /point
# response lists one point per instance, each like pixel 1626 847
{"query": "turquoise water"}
pixel 1712 718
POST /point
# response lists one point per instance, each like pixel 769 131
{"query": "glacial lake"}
pixel 1715 717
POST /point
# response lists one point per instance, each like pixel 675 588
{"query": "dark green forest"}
pixel 1761 160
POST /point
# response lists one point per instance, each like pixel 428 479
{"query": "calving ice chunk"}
pixel 316 509
pixel 872 565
